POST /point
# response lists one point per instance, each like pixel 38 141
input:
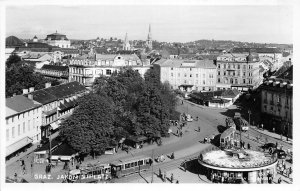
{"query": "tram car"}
pixel 90 174
pixel 228 139
pixel 122 168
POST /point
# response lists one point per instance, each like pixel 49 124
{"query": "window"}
pixel 7 134
pixel 184 75
pixel 171 68
pixel 203 82
pixel 190 69
pixel 244 81
pixel 178 74
pixel 244 67
pixel 236 81
pixel 135 163
pixel 127 165
pixel 140 162
pixel 171 74
pixel 191 75
pixel 219 80
pixel 147 161
pixel 233 73
pixel 19 130
pixel 132 164
pixel 13 132
pixel 231 80
pixel 244 73
pixel 224 73
pixel 238 66
pixel 219 73
pixel 219 66
pixel 108 72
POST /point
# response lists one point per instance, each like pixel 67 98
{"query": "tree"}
pixel 12 59
pixel 90 129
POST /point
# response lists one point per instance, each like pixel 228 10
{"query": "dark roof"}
pixel 56 36
pixel 287 74
pixel 257 50
pixel 64 150
pixel 38 45
pixel 20 103
pixel 13 41
pixel 99 50
pixel 230 93
pixel 53 93
pixel 55 68
pixel 219 100
pixel 34 49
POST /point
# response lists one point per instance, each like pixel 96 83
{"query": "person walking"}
pixel 177 182
pixel 172 178
pixel 165 176
pixel 159 173
pixel 199 128
pixel 279 180
pixel 24 169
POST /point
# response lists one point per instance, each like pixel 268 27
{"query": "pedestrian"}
pixel 172 177
pixel 197 118
pixel 199 129
pixel 165 176
pixel 24 169
pixel 248 145
pixel 276 145
pixel 177 182
pixel 279 180
pixel 16 177
pixel 159 173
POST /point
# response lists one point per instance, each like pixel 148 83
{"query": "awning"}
pixel 18 145
pixel 54 125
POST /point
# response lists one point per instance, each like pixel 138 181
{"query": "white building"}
pixel 59 40
pixel 86 69
pixel 188 75
pixel 23 122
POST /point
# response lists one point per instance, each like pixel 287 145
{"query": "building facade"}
pixel 58 102
pixel 277 104
pixel 239 71
pixel 60 73
pixel 188 75
pixel 86 69
pixel 23 122
pixel 59 40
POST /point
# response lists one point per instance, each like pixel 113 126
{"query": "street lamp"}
pixel 249 112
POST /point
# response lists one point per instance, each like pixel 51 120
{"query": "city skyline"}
pixel 186 23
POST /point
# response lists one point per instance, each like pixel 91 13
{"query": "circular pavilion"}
pixel 236 165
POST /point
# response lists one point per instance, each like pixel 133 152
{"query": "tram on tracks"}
pixel 129 166
pixel 104 172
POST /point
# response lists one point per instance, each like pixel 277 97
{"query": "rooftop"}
pixel 177 63
pixel 19 103
pixel 55 68
pixel 242 160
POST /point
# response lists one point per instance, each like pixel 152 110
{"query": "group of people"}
pixel 283 170
pixel 163 176
pixel 262 177
pixel 23 166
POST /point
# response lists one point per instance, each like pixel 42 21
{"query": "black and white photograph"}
pixel 148 93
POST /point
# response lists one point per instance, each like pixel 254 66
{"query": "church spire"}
pixel 149 33
pixel 149 39
pixel 126 45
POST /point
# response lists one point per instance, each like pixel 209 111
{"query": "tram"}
pixel 228 139
pixel 90 174
pixel 137 164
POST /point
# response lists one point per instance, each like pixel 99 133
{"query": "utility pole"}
pixel 152 165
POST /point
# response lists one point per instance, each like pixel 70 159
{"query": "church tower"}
pixel 126 45
pixel 149 39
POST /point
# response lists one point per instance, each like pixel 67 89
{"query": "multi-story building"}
pixel 60 73
pixel 86 69
pixel 23 122
pixel 239 71
pixel 59 40
pixel 58 102
pixel 277 103
pixel 188 75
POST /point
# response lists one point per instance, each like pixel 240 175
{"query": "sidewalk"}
pixel 274 135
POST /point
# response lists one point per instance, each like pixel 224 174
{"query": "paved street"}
pixel 185 148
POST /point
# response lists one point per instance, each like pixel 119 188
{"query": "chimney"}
pixel 31 89
pixel 48 84
pixel 30 96
pixel 25 91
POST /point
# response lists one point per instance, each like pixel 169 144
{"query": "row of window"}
pixel 234 81
pixel 273 110
pixel 191 75
pixel 278 98
pixel 233 73
pixel 234 66
pixel 135 164
pixel 21 116
pixel 21 129
pixel 103 62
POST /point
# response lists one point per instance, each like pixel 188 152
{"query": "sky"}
pixel 169 23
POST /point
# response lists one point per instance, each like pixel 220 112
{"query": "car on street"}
pixel 189 118
pixel 267 146
pixel 281 154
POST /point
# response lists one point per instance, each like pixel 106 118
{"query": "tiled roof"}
pixel 230 93
pixel 257 50
pixel 176 63
pixel 99 50
pixel 287 74
pixel 53 93
pixel 13 41
pixel 55 68
pixel 38 45
pixel 20 103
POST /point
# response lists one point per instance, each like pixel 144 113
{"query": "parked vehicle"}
pixel 122 168
pixel 189 118
pixel 281 154
pixel 267 146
